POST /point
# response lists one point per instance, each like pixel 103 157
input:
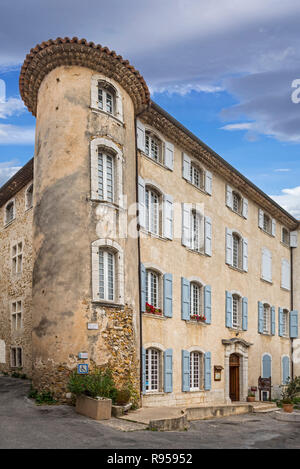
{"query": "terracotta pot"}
pixel 288 408
pixel 251 399
pixel 97 409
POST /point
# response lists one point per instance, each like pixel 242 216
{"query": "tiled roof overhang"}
pixel 16 182
pixel 157 117
pixel 55 53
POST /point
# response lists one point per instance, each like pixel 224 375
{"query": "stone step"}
pixel 264 411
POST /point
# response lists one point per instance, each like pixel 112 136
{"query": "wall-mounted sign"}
pixel 218 372
pixel 83 355
pixel 92 325
pixel 83 368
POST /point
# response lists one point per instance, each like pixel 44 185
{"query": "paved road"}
pixel 25 425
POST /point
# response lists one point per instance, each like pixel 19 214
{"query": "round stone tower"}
pixel 85 275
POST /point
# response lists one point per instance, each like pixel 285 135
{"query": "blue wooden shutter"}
pixel 169 155
pixel 185 363
pixel 140 135
pixel 267 366
pixel 293 324
pixel 168 217
pixel 168 295
pixel 229 247
pixel 207 303
pixel 207 371
pixel 245 254
pixel 273 326
pixel 285 369
pixel 185 299
pixel 228 309
pixel 168 370
pixel 208 182
pixel 141 202
pixel 280 322
pixel 245 208
pixel 208 236
pixel 260 317
pixel 143 287
pixel 186 167
pixel 143 358
pixel 245 314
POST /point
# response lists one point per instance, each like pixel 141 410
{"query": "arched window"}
pixel 197 176
pixel 106 97
pixel 9 212
pixel 236 202
pixel 29 197
pixel 153 288
pixel 153 370
pixel 285 323
pixel 105 175
pixel 266 366
pixel 196 299
pixel 267 224
pixel 153 215
pixel 196 371
pixel 285 369
pixel 153 146
pixel 236 311
pixel 267 319
pixel 107 271
pixel 237 251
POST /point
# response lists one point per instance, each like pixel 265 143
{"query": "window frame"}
pixel 154 140
pixel 19 362
pixel 285 323
pixel 17 257
pixel 28 206
pixel 13 203
pixel 17 315
pixel 200 377
pixel 107 85
pixel 149 370
pixel 286 243
pixel 153 215
pixel 236 298
pixel 199 300
pixel 152 273
pixel 267 319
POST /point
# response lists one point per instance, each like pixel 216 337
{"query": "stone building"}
pixel 128 243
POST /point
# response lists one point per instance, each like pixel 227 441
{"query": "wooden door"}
pixel 234 377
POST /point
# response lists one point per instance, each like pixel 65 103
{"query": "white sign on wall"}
pixel 2 351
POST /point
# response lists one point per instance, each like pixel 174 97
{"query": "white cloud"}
pixel 184 88
pixel 14 135
pixel 282 170
pixel 241 126
pixel 12 106
pixel 289 199
pixel 7 170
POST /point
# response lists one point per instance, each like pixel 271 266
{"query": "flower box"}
pixel 153 310
pixel 97 409
pixel 198 317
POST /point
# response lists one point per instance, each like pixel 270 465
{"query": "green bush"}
pixel 123 396
pixel 45 397
pixel 99 383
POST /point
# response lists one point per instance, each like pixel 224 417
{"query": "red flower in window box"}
pixel 153 310
pixel 198 317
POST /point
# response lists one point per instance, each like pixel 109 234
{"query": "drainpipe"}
pixel 292 307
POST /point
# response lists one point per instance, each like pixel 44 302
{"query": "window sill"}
pixel 155 316
pixel 284 337
pixel 200 253
pixel 100 111
pixel 266 334
pixel 203 191
pixel 285 289
pixel 107 304
pixel 266 232
pixel 266 281
pixel 152 235
pixel 158 163
pixel 237 213
pixel 107 203
pixel 154 393
pixel 196 390
pixel 194 321
pixel 285 245
pixel 237 269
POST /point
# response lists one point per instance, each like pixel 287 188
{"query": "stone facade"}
pixel 59 286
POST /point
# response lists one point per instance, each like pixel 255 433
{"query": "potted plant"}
pixel 94 394
pixel 251 397
pixel 291 389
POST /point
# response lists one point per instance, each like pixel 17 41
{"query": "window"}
pixel 17 258
pixel 267 223
pixel 236 203
pixel 152 288
pixel 9 212
pixel 29 197
pixel 197 231
pixel 196 299
pixel 285 323
pixel 153 147
pixel 106 275
pixel 152 200
pixel 16 315
pixel 236 251
pixel 266 265
pixel 236 311
pixel 285 236
pixel 153 364
pixel 106 98
pixel 16 357
pixel 105 176
pixel 197 176
pixel 266 319
pixel 196 371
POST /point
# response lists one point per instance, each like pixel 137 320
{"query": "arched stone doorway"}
pixel 234 377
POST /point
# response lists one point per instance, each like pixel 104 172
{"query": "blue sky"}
pixel 223 69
